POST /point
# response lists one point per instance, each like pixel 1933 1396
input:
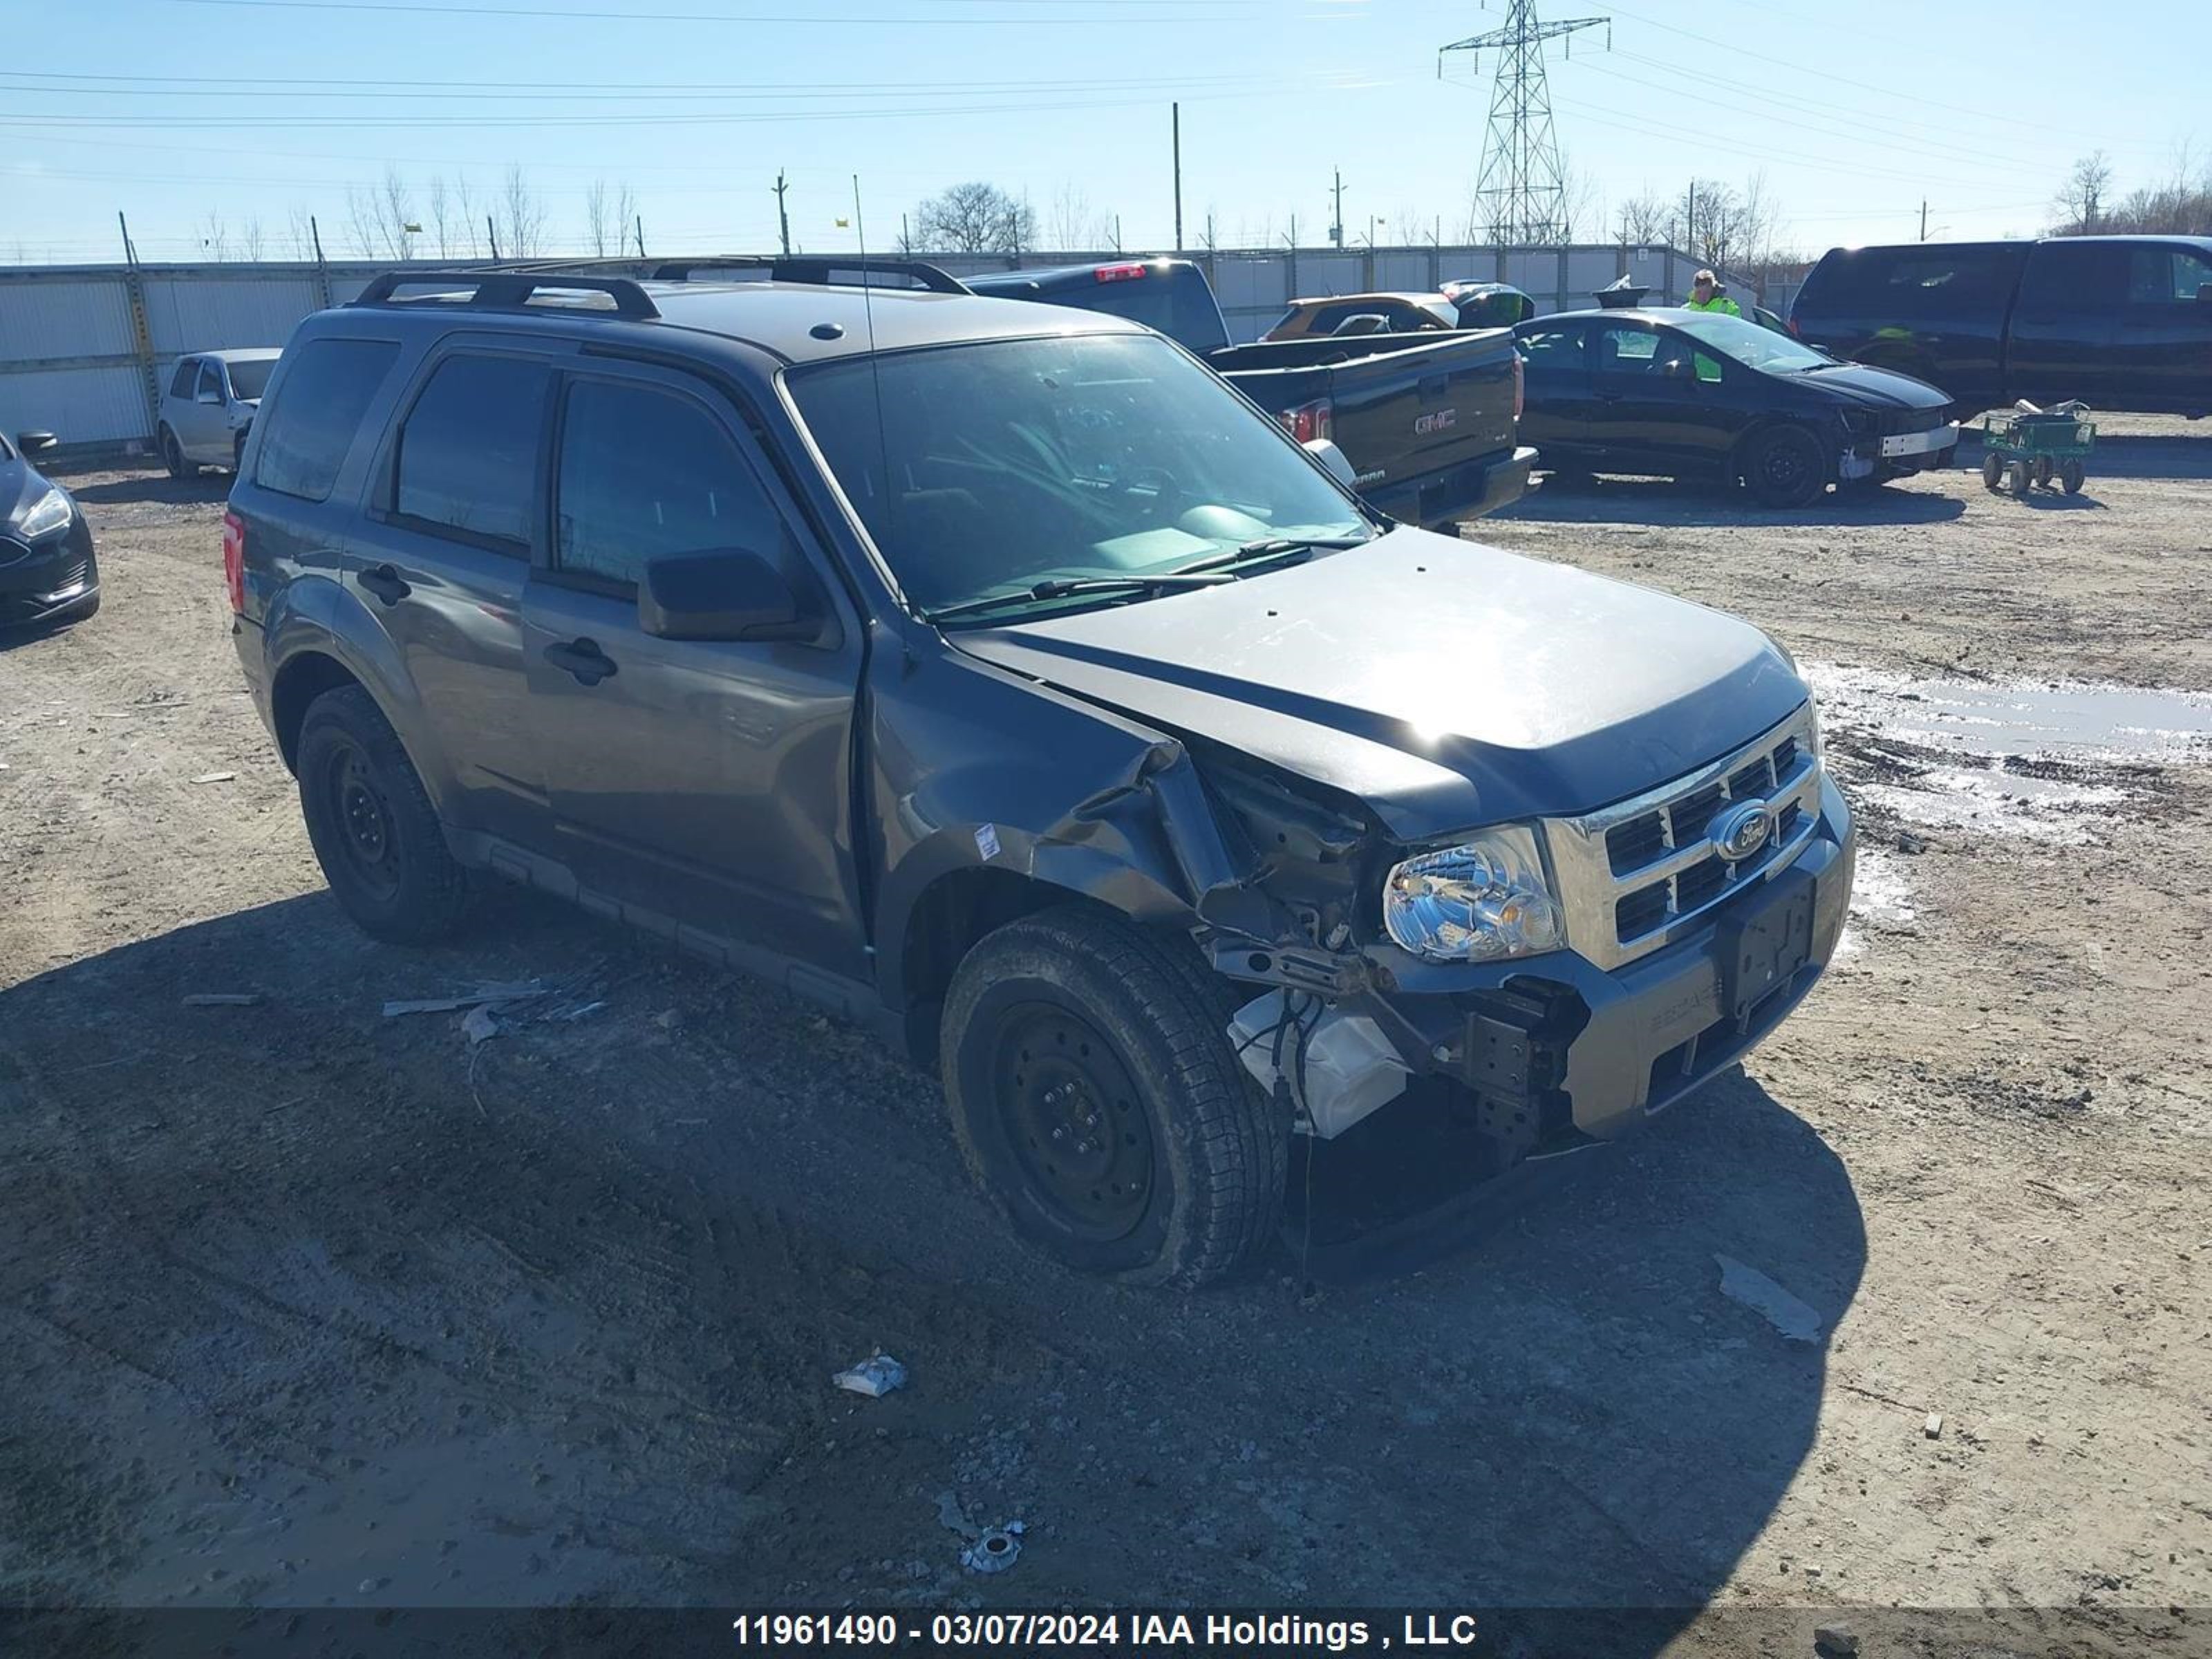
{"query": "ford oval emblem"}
pixel 1742 829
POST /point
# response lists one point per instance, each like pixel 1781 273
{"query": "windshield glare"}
pixel 249 379
pixel 1748 343
pixel 1014 462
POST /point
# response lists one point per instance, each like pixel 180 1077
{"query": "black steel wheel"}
pixel 1785 466
pixel 1089 1076
pixel 1069 1110
pixel 371 824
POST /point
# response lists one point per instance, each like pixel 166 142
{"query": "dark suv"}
pixel 995 675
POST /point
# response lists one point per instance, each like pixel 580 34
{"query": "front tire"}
pixel 1094 1095
pixel 374 830
pixel 1785 466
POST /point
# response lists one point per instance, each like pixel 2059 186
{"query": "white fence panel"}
pixel 49 317
pixel 207 313
pixel 77 406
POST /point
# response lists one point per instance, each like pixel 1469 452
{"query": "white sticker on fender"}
pixel 986 841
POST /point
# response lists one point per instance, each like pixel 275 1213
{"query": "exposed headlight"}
pixel 47 514
pixel 1484 901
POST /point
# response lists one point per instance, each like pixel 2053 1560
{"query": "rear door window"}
pixel 1554 348
pixel 2167 275
pixel 328 386
pixel 1942 283
pixel 1626 348
pixel 468 451
pixel 646 473
pixel 2084 276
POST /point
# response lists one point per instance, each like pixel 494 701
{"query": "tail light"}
pixel 1308 422
pixel 1520 385
pixel 233 561
pixel 1123 273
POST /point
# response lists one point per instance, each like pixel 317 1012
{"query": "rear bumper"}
pixel 1469 491
pixel 1577 1051
pixel 38 582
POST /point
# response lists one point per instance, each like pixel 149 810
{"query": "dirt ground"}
pixel 304 1306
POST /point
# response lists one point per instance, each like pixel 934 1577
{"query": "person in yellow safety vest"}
pixel 1705 295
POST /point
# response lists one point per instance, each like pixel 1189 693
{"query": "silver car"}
pixel 208 405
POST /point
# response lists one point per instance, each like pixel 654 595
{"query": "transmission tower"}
pixel 1519 195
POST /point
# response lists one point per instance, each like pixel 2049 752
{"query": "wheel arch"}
pixel 305 676
pixel 948 919
pixel 1810 422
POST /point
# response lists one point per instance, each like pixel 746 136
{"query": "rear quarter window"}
pixel 1882 284
pixel 327 387
pixel 468 450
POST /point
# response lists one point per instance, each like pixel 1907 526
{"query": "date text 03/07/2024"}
pixel 1244 1632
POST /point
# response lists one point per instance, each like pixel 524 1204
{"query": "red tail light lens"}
pixel 1308 422
pixel 1127 273
pixel 233 561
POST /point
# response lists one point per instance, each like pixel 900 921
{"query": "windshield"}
pixel 1748 343
pixel 1016 462
pixel 250 378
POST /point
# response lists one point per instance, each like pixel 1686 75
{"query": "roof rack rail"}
pixel 508 290
pixel 809 268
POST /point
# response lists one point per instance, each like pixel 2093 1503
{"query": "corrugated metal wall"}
pixel 73 360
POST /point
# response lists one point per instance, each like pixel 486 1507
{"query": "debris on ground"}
pixel 1835 1642
pixel 999 1548
pixel 1909 842
pixel 1933 1428
pixel 874 1377
pixel 481 1024
pixel 952 1517
pixel 222 999
pixel 215 777
pixel 519 991
pixel 1795 1319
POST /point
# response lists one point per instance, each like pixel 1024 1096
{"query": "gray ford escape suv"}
pixel 996 675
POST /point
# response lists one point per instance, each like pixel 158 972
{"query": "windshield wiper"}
pixel 1062 588
pixel 1268 547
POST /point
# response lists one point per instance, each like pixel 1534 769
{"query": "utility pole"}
pixel 641 236
pixel 1176 113
pixel 1923 218
pixel 491 235
pixel 1520 193
pixel 1336 225
pixel 782 219
pixel 1117 232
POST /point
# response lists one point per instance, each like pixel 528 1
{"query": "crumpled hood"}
pixel 1446 684
pixel 1876 388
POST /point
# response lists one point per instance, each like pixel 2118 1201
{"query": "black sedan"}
pixel 1692 395
pixel 47 572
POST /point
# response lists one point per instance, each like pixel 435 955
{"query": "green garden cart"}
pixel 2026 450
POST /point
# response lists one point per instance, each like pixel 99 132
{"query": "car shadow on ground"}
pixel 107 488
pixel 1611 499
pixel 322 1307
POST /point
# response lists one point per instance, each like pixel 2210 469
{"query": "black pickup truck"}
pixel 2120 322
pixel 1427 421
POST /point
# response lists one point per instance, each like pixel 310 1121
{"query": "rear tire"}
pixel 2072 475
pixel 1993 471
pixel 1094 1095
pixel 2020 479
pixel 173 457
pixel 2043 473
pixel 1785 466
pixel 374 830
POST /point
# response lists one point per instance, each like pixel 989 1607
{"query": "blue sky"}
pixel 174 110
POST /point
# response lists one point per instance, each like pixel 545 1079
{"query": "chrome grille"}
pixel 1633 875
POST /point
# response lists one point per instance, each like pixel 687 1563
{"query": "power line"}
pixel 588 15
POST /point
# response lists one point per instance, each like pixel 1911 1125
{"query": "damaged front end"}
pixel 1564 979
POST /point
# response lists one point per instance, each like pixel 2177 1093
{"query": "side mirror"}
pixel 731 593
pixel 1334 462
pixel 35 443
pixel 207 394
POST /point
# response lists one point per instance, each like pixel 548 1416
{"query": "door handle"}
pixel 581 658
pixel 386 583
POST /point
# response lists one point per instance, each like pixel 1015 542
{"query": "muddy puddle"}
pixel 2067 763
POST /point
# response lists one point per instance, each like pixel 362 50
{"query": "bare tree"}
pixel 1641 221
pixel 468 233
pixel 975 218
pixel 250 240
pixel 380 217
pixel 442 214
pixel 1071 225
pixel 212 237
pixel 300 232
pixel 522 216
pixel 2080 200
pixel 627 214
pixel 599 226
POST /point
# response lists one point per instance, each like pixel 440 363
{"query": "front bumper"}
pixel 1897 453
pixel 1555 1047
pixel 43 580
pixel 1470 491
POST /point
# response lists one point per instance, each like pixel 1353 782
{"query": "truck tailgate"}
pixel 1407 411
